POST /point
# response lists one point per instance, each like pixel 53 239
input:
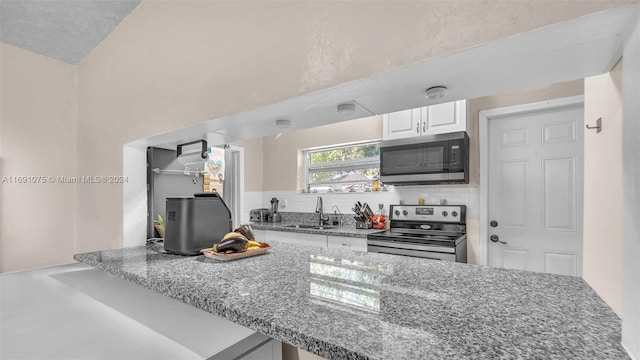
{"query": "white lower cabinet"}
pixel 350 243
pixel 324 241
pixel 296 238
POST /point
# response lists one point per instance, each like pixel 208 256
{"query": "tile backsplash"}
pixel 294 202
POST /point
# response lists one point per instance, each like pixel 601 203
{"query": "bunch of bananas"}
pixel 239 240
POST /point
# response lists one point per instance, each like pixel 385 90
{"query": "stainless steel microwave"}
pixel 426 160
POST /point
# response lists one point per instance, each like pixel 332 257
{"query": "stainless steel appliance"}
pixel 195 223
pixel 258 215
pixel 273 211
pixel 428 231
pixel 432 159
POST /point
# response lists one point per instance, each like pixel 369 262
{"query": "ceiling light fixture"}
pixel 436 92
pixel 283 124
pixel 346 108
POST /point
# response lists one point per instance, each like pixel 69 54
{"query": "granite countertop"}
pixel 357 305
pixel 346 230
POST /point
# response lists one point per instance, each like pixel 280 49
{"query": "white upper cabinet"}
pixel 445 118
pixel 428 120
pixel 401 124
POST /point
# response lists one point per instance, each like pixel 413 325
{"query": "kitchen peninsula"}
pixel 357 305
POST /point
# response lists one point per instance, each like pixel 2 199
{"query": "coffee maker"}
pixel 274 217
pixel 195 223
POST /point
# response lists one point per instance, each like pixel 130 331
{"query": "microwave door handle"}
pixel 445 157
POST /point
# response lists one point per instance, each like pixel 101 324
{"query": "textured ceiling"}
pixel 66 30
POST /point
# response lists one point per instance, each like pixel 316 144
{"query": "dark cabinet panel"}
pixel 406 160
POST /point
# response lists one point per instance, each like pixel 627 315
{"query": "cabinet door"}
pixel 403 160
pixel 348 243
pixel 401 124
pixel 444 118
pixel 297 238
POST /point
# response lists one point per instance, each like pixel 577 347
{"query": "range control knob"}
pixel 405 212
pixel 397 212
pixel 444 213
pixel 454 213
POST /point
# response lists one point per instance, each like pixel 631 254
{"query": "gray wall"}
pixel 166 184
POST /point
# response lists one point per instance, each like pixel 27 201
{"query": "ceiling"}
pixel 69 29
pixel 66 30
pixel 572 50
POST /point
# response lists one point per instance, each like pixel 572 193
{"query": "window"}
pixel 342 168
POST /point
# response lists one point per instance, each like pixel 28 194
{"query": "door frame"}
pixel 483 119
pixel 239 188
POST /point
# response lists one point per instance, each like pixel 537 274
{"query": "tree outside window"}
pixel 343 168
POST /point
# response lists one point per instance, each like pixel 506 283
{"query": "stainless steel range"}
pixel 429 231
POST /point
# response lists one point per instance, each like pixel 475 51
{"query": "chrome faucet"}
pixel 321 218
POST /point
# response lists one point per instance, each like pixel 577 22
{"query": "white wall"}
pixel 282 154
pixel 170 64
pixel 602 230
pixel 38 138
pixel 134 172
pixel 631 198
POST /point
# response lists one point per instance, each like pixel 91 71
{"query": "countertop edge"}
pixel 297 339
pixel 284 227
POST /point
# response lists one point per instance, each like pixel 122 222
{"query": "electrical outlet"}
pixel 282 204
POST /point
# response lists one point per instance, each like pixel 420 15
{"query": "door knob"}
pixel 493 223
pixel 495 238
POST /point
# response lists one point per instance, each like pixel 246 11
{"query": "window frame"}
pixel 338 165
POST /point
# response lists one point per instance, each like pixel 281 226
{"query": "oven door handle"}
pixel 407 246
pixel 413 253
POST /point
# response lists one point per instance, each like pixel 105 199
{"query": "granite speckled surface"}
pixel 356 305
pixel 313 218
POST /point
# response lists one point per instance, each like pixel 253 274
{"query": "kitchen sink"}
pixel 309 226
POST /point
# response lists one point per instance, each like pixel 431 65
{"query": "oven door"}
pixel 427 251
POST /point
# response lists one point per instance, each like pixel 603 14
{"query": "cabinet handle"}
pixel 418 128
pixel 343 244
pixel 424 126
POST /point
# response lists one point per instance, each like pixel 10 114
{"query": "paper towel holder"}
pixel 193 151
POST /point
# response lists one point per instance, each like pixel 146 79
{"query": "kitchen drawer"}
pixel 350 243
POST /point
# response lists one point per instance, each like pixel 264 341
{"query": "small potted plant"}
pixel 159 224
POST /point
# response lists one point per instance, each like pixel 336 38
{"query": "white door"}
pixel 535 191
pixel 401 124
